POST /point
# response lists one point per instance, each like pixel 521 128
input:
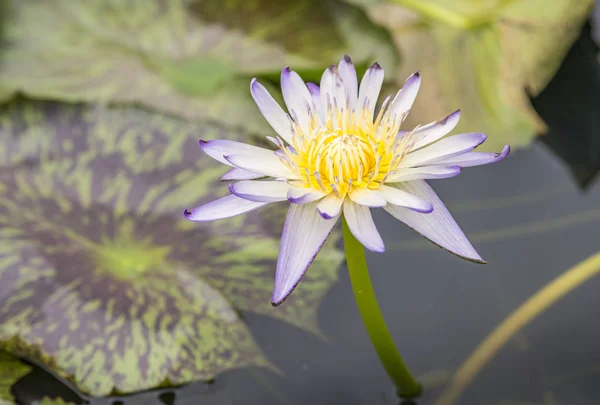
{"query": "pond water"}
pixel 533 217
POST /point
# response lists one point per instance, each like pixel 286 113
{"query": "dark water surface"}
pixel 528 217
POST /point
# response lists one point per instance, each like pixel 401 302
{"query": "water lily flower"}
pixel 333 155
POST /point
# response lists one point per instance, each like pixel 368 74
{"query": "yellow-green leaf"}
pixel 11 370
pixel 193 59
pixel 483 57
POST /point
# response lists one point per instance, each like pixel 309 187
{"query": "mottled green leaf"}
pixel 193 59
pixel 52 401
pixel 302 27
pixel 11 370
pixel 483 57
pixel 101 278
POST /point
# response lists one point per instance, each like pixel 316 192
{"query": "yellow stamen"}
pixel 348 151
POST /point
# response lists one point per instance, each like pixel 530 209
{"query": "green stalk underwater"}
pixel 406 385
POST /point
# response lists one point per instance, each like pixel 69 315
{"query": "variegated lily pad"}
pixel 101 278
pixel 52 401
pixel 188 58
pixel 11 370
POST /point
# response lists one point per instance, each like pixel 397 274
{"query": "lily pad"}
pixel 188 58
pixel 52 401
pixel 11 370
pixel 101 278
pixel 485 58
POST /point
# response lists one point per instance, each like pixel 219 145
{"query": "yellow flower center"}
pixel 347 151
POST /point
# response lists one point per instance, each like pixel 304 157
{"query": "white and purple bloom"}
pixel 334 156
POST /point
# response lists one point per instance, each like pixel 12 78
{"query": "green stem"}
pixel 442 14
pixel 371 315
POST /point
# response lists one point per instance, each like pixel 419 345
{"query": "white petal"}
pixel 272 111
pixel 400 197
pixel 240 174
pixel 365 196
pixel 424 173
pixel 359 220
pixel 304 233
pixel 326 87
pixel 348 75
pixel 448 147
pixel 475 158
pixel 218 148
pixel 272 166
pixel 405 98
pixel 438 226
pixel 330 206
pixel 435 130
pixel 299 195
pixel 333 92
pixel 315 92
pixel 297 97
pixel 370 86
pixel 225 207
pixel 261 191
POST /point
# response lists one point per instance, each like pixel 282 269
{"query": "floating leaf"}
pixel 301 27
pixel 485 58
pixel 11 370
pixel 52 401
pixel 101 278
pixel 191 59
pixel 366 42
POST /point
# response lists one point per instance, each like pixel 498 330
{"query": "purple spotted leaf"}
pixel 52 401
pixel 101 277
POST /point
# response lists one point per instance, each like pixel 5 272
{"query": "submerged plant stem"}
pixel 406 385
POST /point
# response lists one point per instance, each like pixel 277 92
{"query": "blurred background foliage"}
pixel 103 102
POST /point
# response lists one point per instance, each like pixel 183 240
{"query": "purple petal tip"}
pixel 254 84
pixel 375 65
pixel 381 250
pixel 278 298
pixel 415 77
pixel 187 213
pixel 277 303
pixel 295 200
pixel 325 215
pixel 424 211
pixel 347 59
pixel 478 137
pixel 455 114
pixel 312 87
